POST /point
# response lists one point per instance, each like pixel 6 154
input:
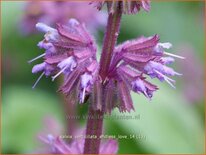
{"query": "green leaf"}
pixel 168 122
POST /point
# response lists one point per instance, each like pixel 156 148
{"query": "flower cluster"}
pixel 71 51
pixel 52 12
pixel 127 6
pixel 132 61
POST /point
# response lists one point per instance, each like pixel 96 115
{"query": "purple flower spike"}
pixel 128 6
pixel 71 51
pixel 167 60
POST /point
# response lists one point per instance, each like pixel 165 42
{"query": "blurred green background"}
pixel 172 122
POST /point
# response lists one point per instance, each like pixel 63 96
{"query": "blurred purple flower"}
pixel 58 146
pixel 52 12
pixel 189 81
pixel 51 125
pixel 128 6
pixel 37 12
pixel 71 51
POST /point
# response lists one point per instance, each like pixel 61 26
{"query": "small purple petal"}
pixel 68 63
pixel 45 28
pixel 167 60
pixel 51 33
pixel 159 48
pixel 38 68
pixel 138 86
pixel 86 80
pixel 49 47
pixel 45 45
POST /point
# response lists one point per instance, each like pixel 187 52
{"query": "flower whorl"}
pixel 70 50
pixel 132 61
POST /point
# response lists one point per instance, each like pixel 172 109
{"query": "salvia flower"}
pixel 59 146
pixel 71 51
pixel 132 62
pixel 128 6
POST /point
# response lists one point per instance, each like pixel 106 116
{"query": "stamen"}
pixel 167 79
pixel 170 83
pixel 146 94
pixel 179 74
pixel 61 71
pixel 174 55
pixel 37 81
pixel 30 61
pixel 83 95
pixel 164 76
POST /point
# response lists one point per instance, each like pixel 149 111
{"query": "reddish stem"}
pixel 110 39
pixel 94 126
pixel 93 132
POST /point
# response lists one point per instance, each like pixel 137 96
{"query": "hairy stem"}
pixel 94 126
pixel 93 132
pixel 110 39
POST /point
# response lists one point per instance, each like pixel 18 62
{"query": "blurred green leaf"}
pixel 23 111
pixel 168 122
